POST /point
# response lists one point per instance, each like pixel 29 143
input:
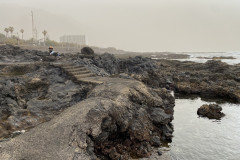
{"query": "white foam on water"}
pixel 194 57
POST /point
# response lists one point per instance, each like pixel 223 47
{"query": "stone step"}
pixel 79 72
pixel 78 77
pixel 64 64
pixel 90 81
pixel 76 69
pixel 57 64
pixel 72 67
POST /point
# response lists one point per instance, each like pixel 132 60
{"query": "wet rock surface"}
pixel 212 111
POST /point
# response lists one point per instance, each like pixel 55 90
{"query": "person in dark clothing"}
pixel 52 52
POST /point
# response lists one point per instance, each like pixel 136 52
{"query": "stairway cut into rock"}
pixel 78 73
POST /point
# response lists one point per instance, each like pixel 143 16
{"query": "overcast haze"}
pixel 134 25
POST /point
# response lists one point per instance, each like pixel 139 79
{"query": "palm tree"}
pixel 22 30
pixel 44 34
pixel 11 29
pixel 6 30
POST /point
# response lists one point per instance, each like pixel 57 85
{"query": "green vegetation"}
pixel 16 40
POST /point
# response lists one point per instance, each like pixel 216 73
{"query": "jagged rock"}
pixel 212 111
pixel 158 116
pixel 108 123
pixel 49 58
pixel 108 62
pixel 156 141
pixel 11 53
pixel 137 65
pixel 41 92
pixel 119 118
pixel 213 79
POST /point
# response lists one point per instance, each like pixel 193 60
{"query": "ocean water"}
pixel 197 138
pixel 193 57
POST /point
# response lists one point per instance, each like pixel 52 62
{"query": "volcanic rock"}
pixel 212 111
pixel 33 94
pixel 108 123
pixel 87 51
pixel 9 53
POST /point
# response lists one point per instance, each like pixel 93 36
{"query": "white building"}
pixel 76 39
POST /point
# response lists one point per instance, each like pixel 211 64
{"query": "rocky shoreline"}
pixel 213 79
pixel 126 115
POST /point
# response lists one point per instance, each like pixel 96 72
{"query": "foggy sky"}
pixel 134 25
